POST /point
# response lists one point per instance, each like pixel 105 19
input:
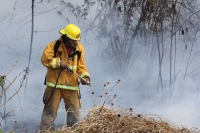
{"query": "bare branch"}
pixel 24 77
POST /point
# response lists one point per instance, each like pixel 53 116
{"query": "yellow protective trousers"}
pixel 72 106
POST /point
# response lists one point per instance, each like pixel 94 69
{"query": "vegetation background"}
pixel 152 46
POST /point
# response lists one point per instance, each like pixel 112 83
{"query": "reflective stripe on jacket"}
pixel 62 86
pixel 67 80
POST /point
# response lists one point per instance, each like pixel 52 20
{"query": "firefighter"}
pixel 60 82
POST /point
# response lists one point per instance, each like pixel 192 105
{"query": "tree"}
pixel 126 26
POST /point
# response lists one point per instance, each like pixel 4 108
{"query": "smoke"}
pixel 134 90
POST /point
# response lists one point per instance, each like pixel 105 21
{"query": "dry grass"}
pixel 106 120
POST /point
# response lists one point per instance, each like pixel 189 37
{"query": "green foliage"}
pixel 1 131
pixel 2 81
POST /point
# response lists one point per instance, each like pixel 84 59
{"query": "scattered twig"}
pixel 6 116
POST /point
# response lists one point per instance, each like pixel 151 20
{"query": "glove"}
pixel 87 79
pixel 64 65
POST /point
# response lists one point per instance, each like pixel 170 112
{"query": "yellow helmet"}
pixel 71 31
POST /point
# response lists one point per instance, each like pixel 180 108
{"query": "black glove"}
pixel 87 80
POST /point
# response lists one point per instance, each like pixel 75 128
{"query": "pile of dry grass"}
pixel 106 120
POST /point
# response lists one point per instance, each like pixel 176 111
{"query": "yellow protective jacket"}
pixel 67 80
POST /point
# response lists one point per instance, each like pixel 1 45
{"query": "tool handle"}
pixel 87 82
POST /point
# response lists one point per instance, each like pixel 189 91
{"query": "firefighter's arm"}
pixel 47 58
pixel 82 69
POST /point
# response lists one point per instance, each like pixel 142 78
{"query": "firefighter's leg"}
pixel 50 109
pixel 72 106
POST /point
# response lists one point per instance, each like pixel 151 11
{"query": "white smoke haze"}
pixel 134 90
